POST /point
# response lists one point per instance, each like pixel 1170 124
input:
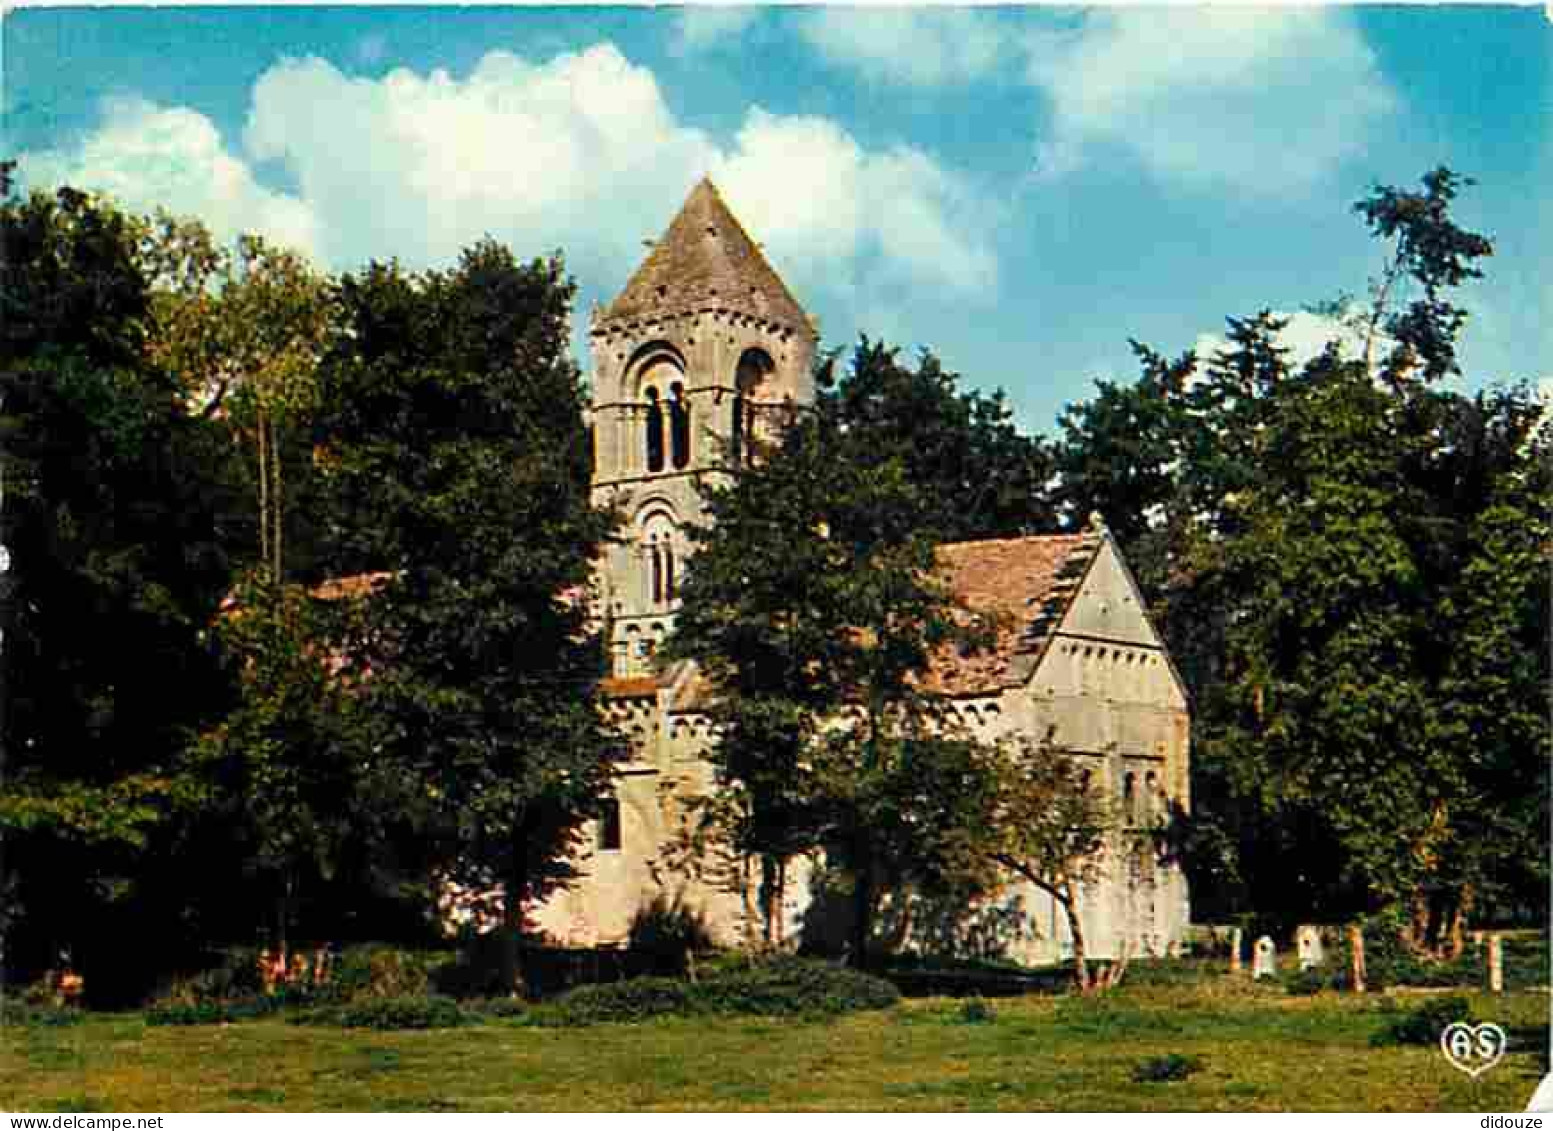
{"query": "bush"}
pixel 26 1013
pixel 1163 1069
pixel 1304 983
pixel 430 1012
pixel 214 1012
pixel 976 1011
pixel 497 1007
pixel 783 986
pixel 789 985
pixel 1423 1026
pixel 669 932
pixel 635 1000
pixel 374 970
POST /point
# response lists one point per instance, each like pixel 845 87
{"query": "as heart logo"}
pixel 1473 1048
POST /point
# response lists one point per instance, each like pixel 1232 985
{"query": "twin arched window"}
pixel 654 431
pixel 679 425
pixel 754 365
pixel 662 581
pixel 678 412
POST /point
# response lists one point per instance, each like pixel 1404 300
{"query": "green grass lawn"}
pixel 1261 1050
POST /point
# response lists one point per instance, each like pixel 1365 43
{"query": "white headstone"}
pixel 1264 959
pixel 1307 944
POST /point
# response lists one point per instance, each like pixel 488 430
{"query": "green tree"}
pixel 286 772
pixel 243 331
pixel 1433 254
pixel 112 522
pixel 979 476
pixel 814 610
pixel 1040 818
pixel 452 446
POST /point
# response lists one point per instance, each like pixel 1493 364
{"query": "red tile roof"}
pixel 356 585
pixel 629 687
pixel 1029 583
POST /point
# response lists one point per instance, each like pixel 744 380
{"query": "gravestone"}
pixel 1235 943
pixel 1307 944
pixel 1495 964
pixel 1264 959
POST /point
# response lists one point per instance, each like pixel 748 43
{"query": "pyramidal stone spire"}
pixel 706 260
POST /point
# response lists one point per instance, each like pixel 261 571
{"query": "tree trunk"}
pixel 512 921
pixel 1456 935
pixel 862 903
pixel 1076 929
pixel 277 505
pixel 1357 973
pixel 1113 974
pixel 771 900
pixel 264 494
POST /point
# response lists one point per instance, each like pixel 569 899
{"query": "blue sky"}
pixel 1022 190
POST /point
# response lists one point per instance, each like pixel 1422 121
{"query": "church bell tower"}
pixel 704 350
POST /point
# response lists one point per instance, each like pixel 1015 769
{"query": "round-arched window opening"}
pixel 755 365
pixel 661 575
pixel 654 430
pixel 679 425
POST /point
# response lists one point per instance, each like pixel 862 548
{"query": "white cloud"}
pixel 700 27
pixel 146 156
pixel 580 152
pixel 1261 100
pixel 920 46
pixel 1305 337
pixel 816 197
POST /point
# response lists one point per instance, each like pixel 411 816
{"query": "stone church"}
pixel 704 349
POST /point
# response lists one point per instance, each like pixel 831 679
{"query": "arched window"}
pixel 754 366
pixel 655 569
pixel 609 825
pixel 660 574
pixel 654 431
pixel 679 425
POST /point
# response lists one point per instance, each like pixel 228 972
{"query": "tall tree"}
pixel 978 474
pixel 452 443
pixel 243 331
pixel 1431 252
pixel 111 520
pixel 814 610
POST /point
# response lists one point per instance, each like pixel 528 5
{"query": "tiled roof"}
pixel 629 687
pixel 1029 582
pixel 356 585
pixel 706 258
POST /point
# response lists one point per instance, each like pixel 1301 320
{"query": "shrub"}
pixel 976 1011
pixel 669 932
pixel 497 1007
pixel 214 1012
pixel 635 1000
pixel 429 1012
pixel 1304 983
pixel 1163 1069
pixel 783 986
pixel 374 970
pixel 789 985
pixel 1423 1026
pixel 21 1014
